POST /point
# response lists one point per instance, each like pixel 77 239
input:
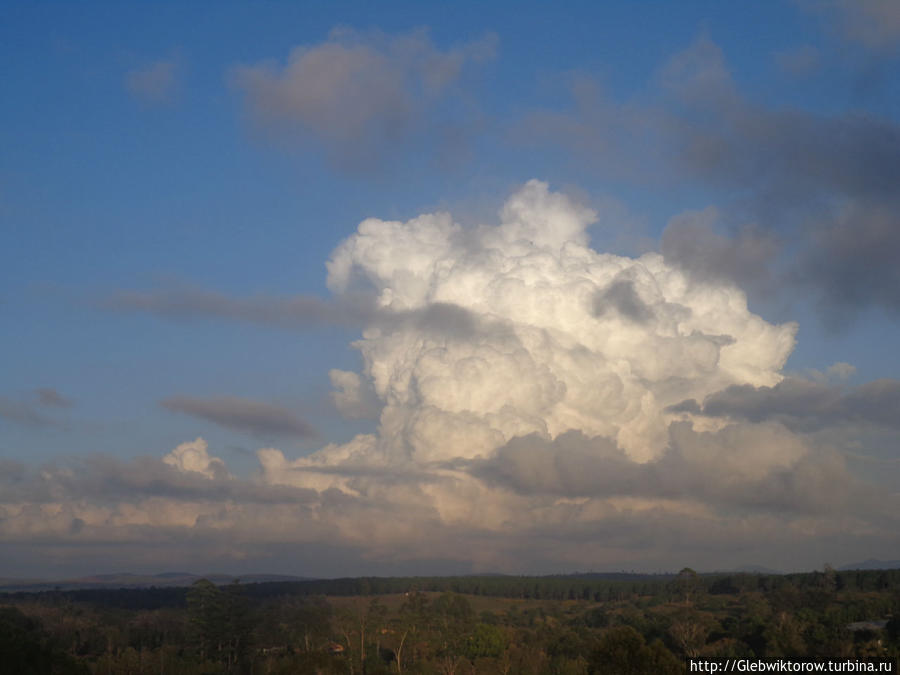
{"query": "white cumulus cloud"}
pixel 194 456
pixel 561 337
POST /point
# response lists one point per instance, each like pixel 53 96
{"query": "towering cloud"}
pixel 551 336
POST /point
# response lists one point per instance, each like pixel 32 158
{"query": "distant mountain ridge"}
pixel 751 569
pixel 872 564
pixel 129 580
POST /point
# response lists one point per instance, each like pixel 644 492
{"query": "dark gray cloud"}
pixel 877 402
pixel 812 201
pixel 364 96
pixel 439 318
pixel 724 469
pixel 825 184
pixel 622 297
pixel 692 241
pixel 571 465
pixel 854 260
pixel 782 153
pixel 689 405
pixel 241 414
pixel 804 405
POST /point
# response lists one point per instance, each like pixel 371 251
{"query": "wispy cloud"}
pixel 24 412
pixel 800 61
pixel 51 397
pixel 157 82
pixel 32 410
pixel 243 415
pixel 299 311
pixel 361 95
pixel 806 405
pixel 873 23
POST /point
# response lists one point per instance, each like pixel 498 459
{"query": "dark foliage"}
pixel 575 624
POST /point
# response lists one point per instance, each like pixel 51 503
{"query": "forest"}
pixel 565 625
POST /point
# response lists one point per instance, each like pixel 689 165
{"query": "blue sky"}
pixel 174 175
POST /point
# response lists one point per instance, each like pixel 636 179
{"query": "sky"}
pixel 334 288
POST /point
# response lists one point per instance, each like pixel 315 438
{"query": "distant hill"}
pixel 750 569
pixel 615 576
pixel 129 580
pixel 872 564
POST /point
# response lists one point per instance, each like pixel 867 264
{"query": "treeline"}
pixel 589 587
pixel 560 625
